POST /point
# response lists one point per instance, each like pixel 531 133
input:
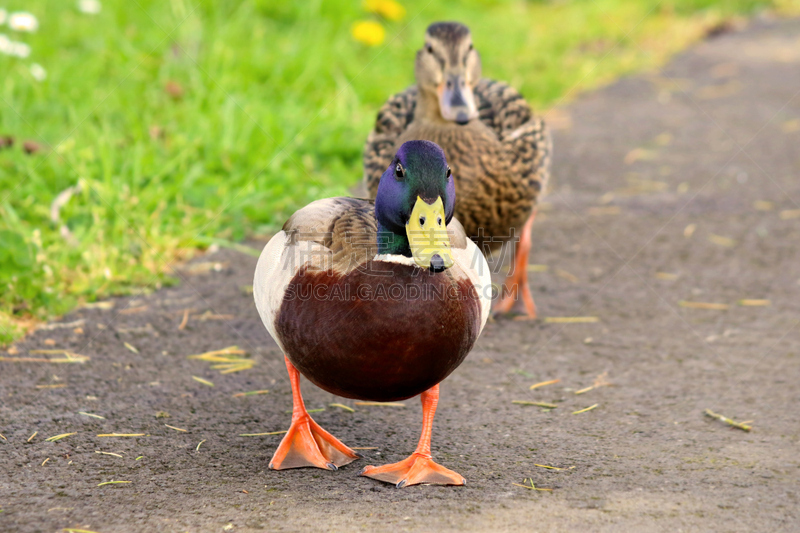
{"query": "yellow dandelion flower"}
pixel 388 9
pixel 368 32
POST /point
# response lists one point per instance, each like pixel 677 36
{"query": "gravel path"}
pixel 680 186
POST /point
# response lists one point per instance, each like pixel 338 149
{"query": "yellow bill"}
pixel 427 235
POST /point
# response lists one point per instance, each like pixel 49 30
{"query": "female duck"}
pixel 499 150
pixel 375 302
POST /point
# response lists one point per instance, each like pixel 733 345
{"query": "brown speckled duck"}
pixel 498 148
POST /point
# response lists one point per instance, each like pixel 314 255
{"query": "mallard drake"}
pixel 498 148
pixel 375 301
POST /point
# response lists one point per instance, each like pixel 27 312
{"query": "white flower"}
pixel 23 21
pixel 20 50
pixel 38 72
pixel 3 16
pixel 13 48
pixel 90 7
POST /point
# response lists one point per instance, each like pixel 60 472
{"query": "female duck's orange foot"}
pixel 516 286
pixel 504 305
pixel 307 444
pixel 516 301
pixel 415 469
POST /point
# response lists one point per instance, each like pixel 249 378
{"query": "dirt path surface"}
pixel 677 187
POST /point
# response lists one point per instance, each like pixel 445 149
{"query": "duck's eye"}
pixel 439 220
pixel 398 171
pixel 449 172
pixel 421 221
pixel 429 48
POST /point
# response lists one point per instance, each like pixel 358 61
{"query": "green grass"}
pixel 277 101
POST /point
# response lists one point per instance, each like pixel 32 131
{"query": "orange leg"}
pixel 517 280
pixel 419 467
pixel 306 443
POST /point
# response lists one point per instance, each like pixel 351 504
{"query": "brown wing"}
pixel 532 149
pixel 501 107
pixel 526 135
pixel 393 119
pixel 345 226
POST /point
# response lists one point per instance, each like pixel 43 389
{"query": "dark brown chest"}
pixel 380 333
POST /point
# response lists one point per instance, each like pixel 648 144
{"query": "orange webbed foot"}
pixel 504 305
pixel 307 444
pixel 515 289
pixel 512 304
pixel 414 470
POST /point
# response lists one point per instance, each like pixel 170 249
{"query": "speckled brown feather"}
pixel 501 162
pixel 345 226
pixel 393 119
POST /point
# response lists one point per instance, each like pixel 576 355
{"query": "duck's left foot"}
pixel 517 303
pixel 515 290
pixel 415 469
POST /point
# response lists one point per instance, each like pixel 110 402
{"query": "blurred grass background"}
pixel 184 123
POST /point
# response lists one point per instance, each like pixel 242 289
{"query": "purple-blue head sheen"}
pixel 418 170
